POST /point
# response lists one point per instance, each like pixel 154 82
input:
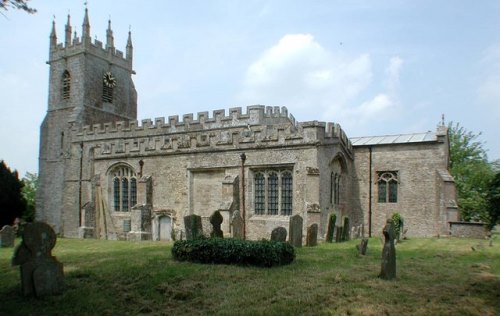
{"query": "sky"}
pixel 374 67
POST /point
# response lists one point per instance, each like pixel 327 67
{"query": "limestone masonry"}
pixel 103 174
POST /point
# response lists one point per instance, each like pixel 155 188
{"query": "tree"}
pixel 30 182
pixel 494 200
pixel 16 4
pixel 12 203
pixel 472 172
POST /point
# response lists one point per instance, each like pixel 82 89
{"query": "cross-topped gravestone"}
pixel 279 234
pixel 41 273
pixel 237 225
pixel 295 229
pixel 216 220
pixel 312 235
pixel 7 236
pixel 388 267
pixel 192 224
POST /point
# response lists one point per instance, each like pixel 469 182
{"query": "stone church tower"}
pixel 89 83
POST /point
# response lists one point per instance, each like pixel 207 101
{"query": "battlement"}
pixel 260 126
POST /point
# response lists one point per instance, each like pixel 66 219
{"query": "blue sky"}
pixel 375 67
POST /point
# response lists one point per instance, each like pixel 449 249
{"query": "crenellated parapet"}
pixel 258 127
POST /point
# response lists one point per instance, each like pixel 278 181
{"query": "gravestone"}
pixel 363 245
pixel 237 225
pixel 7 236
pixel 388 267
pixel 279 234
pixel 216 220
pixel 192 224
pixel 41 273
pixel 331 228
pixel 312 235
pixel 295 229
pixel 346 229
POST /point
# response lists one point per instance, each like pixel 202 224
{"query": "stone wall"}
pixel 468 230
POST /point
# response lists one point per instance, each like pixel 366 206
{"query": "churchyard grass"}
pixel 434 277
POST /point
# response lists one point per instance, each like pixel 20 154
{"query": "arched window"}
pixel 66 85
pixel 387 186
pixel 273 192
pixel 124 188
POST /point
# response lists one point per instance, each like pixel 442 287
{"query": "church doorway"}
pixel 165 228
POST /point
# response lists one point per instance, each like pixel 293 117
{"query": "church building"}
pixel 104 174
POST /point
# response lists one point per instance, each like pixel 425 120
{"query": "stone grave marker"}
pixel 295 229
pixel 331 228
pixel 388 267
pixel 192 224
pixel 279 234
pixel 41 273
pixel 216 220
pixel 312 235
pixel 363 245
pixel 7 236
pixel 237 225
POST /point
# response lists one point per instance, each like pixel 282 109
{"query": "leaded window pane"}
pixel 382 191
pixel 272 194
pixel 286 193
pixel 393 191
pixel 133 192
pixel 260 194
pixel 125 195
pixel 116 194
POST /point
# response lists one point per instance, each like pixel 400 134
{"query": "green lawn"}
pixel 435 277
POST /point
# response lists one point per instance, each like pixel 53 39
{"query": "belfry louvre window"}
pixel 124 187
pixel 273 191
pixel 388 186
pixel 66 85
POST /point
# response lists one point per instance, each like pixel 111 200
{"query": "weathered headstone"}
pixel 388 268
pixel 346 229
pixel 331 228
pixel 216 220
pixel 312 235
pixel 295 229
pixel 363 245
pixel 7 236
pixel 237 225
pixel 279 234
pixel 41 273
pixel 192 224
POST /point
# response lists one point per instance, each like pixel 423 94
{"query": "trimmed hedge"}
pixel 261 253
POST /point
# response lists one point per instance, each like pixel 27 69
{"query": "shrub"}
pixel 397 221
pixel 261 253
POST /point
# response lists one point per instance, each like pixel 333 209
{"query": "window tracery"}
pixel 388 186
pixel 273 191
pixel 124 188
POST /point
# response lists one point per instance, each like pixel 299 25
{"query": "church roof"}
pixel 394 139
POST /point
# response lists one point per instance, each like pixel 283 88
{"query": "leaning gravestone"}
pixel 41 273
pixel 312 235
pixel 237 225
pixel 279 234
pixel 216 220
pixel 192 224
pixel 295 229
pixel 363 245
pixel 388 268
pixel 7 236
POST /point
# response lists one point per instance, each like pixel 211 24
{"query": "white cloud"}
pixel 314 83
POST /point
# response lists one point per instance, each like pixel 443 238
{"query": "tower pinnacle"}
pixel 130 48
pixel 109 36
pixel 86 26
pixel 67 38
pixel 53 36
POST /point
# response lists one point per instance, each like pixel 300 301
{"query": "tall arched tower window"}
pixel 108 85
pixel 123 188
pixel 66 85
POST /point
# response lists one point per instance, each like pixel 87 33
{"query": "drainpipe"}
pixel 370 193
pixel 80 187
pixel 242 194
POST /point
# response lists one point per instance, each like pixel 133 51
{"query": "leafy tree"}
pixel 494 200
pixel 12 204
pixel 16 4
pixel 30 182
pixel 472 172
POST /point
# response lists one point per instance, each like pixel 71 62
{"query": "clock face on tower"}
pixel 109 80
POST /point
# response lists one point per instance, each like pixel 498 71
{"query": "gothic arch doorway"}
pixel 165 228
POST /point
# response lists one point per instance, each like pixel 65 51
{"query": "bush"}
pixel 397 221
pixel 262 253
